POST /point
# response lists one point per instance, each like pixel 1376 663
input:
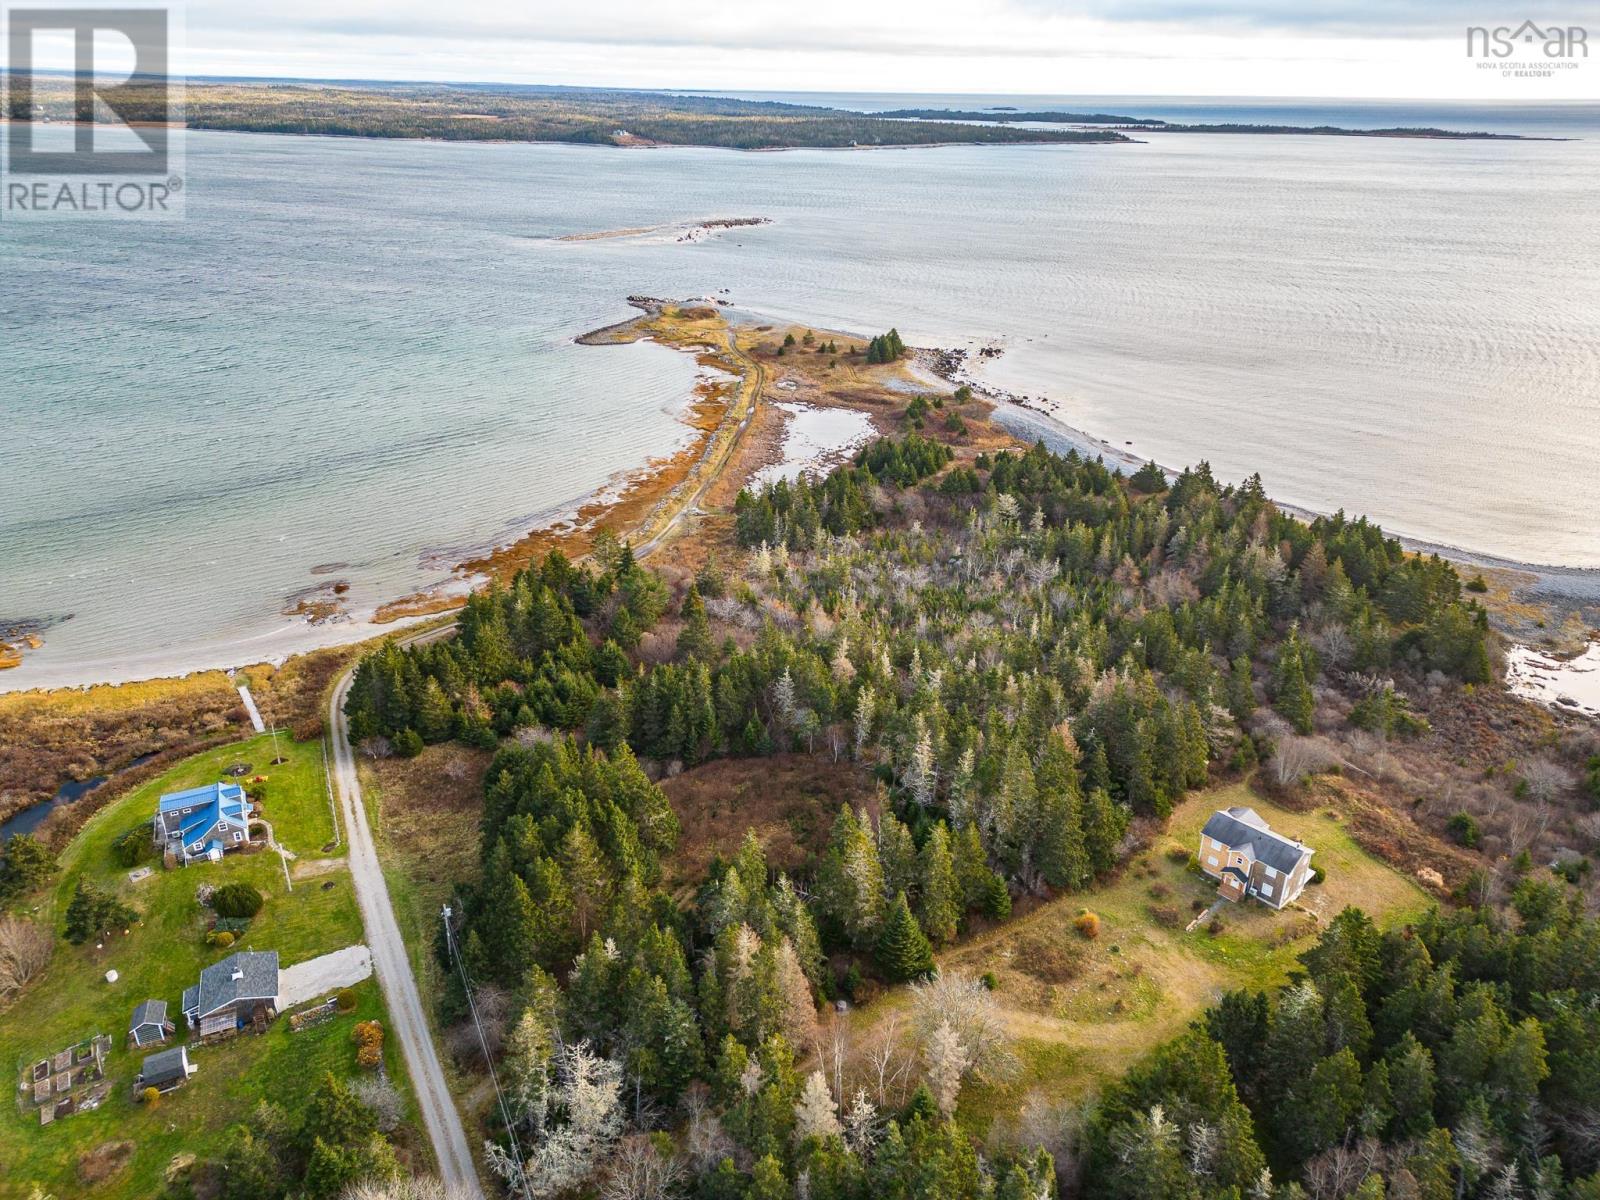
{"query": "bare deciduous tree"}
pixel 381 1099
pixel 376 747
pixel 24 952
pixel 890 1064
pixel 639 1171
pixel 423 1187
pixel 947 1061
pixel 969 1008
pixel 705 1141
pixel 1338 1172
pixel 1294 757
pixel 1546 780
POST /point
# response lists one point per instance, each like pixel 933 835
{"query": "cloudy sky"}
pixel 1374 48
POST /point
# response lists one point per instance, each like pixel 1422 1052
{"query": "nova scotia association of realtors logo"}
pixel 102 139
pixel 1528 50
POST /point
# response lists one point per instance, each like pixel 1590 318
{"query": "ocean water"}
pixel 359 352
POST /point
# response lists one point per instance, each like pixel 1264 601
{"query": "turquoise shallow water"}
pixel 360 352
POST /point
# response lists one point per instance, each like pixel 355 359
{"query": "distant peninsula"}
pixel 504 113
pixel 633 119
pixel 1010 116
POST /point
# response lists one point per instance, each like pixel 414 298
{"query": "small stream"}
pixel 70 792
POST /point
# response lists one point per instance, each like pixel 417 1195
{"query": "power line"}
pixel 483 1041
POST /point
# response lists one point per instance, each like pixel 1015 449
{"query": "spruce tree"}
pixel 1061 859
pixel 694 640
pixel 903 951
pixel 938 905
pixel 1293 698
pixel 898 854
pixel 1104 823
pixel 850 880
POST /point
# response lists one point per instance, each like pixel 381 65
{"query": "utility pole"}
pixel 505 1110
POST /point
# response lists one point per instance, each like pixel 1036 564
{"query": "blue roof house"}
pixel 203 823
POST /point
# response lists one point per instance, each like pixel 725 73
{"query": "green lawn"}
pixel 162 954
pixel 1083 1011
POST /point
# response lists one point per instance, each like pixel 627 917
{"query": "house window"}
pixel 1212 859
pixel 1271 874
pixel 238 837
pixel 1266 890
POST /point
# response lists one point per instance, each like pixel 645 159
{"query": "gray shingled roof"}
pixel 257 972
pixel 148 1012
pixel 163 1066
pixel 1239 827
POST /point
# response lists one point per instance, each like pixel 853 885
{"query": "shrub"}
pixel 1166 916
pixel 1318 875
pixel 408 743
pixel 219 938
pixel 852 983
pixel 307 729
pixel 1216 927
pixel 367 1033
pixel 1477 584
pixel 1159 891
pixel 1573 869
pixel 989 981
pixel 150 1096
pixel 1087 925
pixel 1178 854
pixel 345 1000
pixel 369 1058
pixel 238 899
pixel 1463 830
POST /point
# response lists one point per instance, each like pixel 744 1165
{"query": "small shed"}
pixel 149 1025
pixel 166 1069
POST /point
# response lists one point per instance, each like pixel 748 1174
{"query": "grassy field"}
pixel 424 814
pixel 162 954
pixel 1082 1011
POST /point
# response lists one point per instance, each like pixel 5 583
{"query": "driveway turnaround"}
pixel 320 976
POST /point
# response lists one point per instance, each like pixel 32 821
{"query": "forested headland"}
pixel 1036 657
pixel 529 114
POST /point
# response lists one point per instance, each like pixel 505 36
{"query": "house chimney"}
pixel 237 975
